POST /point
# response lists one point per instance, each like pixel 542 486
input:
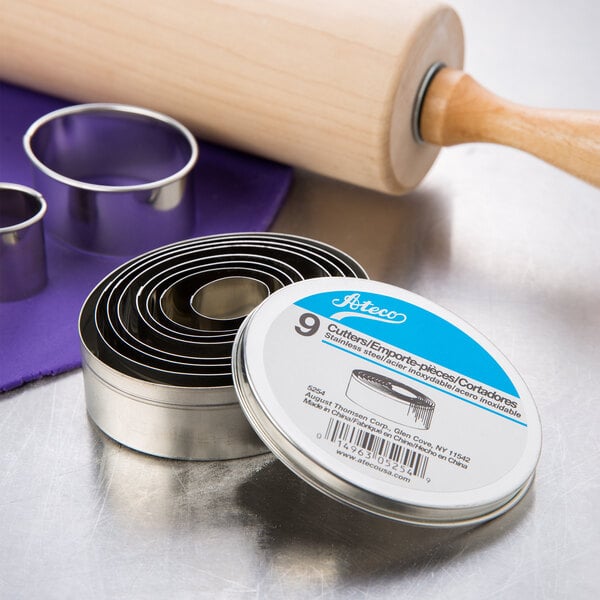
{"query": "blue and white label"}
pixel 391 392
pixel 422 332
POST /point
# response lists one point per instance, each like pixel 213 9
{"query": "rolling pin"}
pixel 361 91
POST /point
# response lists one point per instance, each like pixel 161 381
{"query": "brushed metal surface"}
pixel 505 241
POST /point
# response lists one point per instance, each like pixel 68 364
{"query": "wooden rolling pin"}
pixel 335 86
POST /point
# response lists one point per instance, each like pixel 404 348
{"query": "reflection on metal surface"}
pixel 259 507
pixel 304 526
pixel 153 494
pixel 396 238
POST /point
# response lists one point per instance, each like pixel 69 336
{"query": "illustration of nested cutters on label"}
pixel 386 397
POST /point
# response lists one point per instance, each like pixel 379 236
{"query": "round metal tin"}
pixel 157 335
pixel 387 402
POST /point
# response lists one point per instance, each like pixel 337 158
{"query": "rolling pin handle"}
pixel 456 109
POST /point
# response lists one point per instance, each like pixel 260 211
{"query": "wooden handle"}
pixel 456 109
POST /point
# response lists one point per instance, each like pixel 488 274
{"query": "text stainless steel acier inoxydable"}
pixel 387 402
pixel 116 177
pixel 157 335
pixel 23 270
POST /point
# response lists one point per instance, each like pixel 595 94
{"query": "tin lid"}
pixel 387 402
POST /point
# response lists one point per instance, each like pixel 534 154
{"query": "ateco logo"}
pixel 357 307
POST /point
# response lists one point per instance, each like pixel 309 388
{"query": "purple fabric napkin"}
pixel 38 335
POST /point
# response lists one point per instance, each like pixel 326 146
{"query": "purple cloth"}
pixel 38 335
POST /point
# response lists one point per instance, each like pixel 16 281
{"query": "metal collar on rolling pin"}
pixel 157 335
pixel 420 97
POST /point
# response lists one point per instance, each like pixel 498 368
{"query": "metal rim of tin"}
pixel 139 360
pixel 289 450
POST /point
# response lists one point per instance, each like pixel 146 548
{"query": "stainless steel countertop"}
pixel 505 241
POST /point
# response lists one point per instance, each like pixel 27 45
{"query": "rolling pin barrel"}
pixel 334 87
pixel 326 86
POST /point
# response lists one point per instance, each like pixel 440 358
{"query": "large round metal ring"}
pixel 116 177
pixel 157 335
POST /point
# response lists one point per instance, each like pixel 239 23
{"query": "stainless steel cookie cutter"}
pixel 116 177
pixel 22 251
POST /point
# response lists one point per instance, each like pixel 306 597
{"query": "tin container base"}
pixel 187 432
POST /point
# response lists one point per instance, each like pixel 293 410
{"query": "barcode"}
pixel 339 431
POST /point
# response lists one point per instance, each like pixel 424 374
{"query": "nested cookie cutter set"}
pixel 157 336
pixel 224 346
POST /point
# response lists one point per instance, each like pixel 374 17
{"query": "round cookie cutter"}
pixel 116 177
pixel 23 270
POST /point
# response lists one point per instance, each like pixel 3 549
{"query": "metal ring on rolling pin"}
pixel 157 369
pixel 23 270
pixel 420 97
pixel 116 177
